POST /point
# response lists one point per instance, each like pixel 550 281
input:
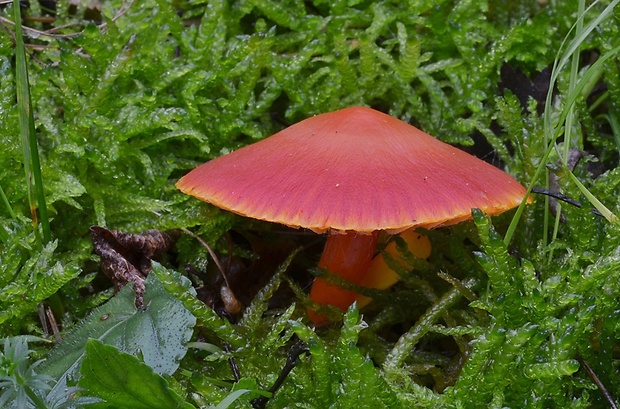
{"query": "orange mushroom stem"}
pixel 350 257
pixel 347 255
pixel 380 275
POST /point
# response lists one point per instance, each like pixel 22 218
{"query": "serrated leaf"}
pixel 158 333
pixel 123 381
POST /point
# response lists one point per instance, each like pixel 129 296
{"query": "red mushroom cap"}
pixel 353 169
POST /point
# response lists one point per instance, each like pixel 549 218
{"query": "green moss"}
pixel 122 110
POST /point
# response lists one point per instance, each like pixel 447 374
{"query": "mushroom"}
pixel 352 173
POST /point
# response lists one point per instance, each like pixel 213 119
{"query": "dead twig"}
pixel 231 304
pixel 597 381
pixel 34 33
pixel 51 33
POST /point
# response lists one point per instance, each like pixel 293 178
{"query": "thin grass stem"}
pixel 602 98
pixel 7 204
pixel 553 131
pixel 572 82
pixel 607 214
pixel 32 164
pixel 614 122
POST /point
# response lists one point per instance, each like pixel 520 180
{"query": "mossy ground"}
pixel 128 97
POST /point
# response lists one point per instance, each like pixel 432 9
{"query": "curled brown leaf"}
pixel 126 257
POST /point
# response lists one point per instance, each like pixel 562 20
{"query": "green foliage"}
pixel 19 382
pixel 21 386
pixel 29 274
pixel 540 326
pixel 158 333
pixel 337 372
pixel 172 282
pixel 122 109
pixel 120 380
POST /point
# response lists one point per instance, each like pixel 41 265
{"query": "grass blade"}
pixel 32 165
pixel 554 131
pixel 5 200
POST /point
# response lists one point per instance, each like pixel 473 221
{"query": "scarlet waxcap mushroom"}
pixel 352 173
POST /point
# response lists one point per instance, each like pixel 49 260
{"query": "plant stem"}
pixel 30 151
pixel 7 204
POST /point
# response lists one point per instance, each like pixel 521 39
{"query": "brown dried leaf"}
pixel 126 257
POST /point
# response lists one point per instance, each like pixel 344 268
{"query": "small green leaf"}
pixel 122 381
pixel 159 332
